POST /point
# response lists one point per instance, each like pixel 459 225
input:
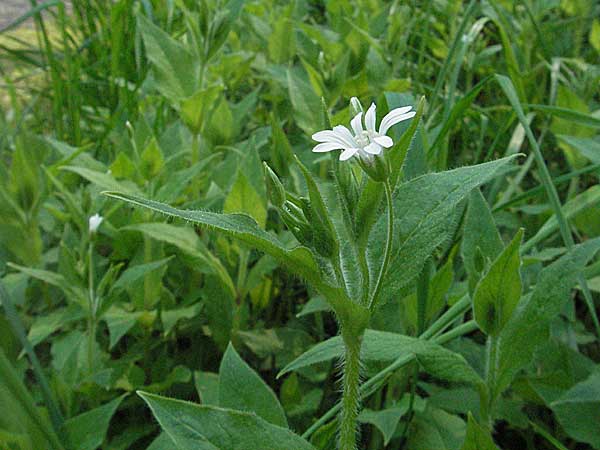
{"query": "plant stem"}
pixel 92 306
pixel 490 374
pixel 373 383
pixel 351 393
pixel 388 245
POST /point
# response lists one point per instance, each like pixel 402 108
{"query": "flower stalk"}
pixel 388 245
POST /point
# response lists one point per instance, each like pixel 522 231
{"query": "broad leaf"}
pixel 499 291
pixel 481 240
pixel 478 437
pixel 423 210
pixel 241 388
pixel 175 68
pixel 383 346
pixel 197 427
pixel 528 327
pixel 578 411
pixel 243 198
pixel 386 420
pixel 88 430
pixel 299 260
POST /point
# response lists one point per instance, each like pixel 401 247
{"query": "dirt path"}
pixel 11 9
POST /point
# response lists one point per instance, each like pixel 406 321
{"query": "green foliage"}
pixel 241 388
pixel 206 427
pixel 211 273
pixel 499 291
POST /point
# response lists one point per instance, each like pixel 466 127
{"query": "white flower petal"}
pixel 327 147
pixel 348 153
pixel 94 222
pixel 373 149
pixel 384 141
pixel 395 116
pixel 324 136
pixel 370 118
pixel 345 136
pixel 356 124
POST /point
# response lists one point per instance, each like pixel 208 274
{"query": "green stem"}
pixel 373 383
pixel 92 307
pixel 388 245
pixel 490 379
pixel 351 393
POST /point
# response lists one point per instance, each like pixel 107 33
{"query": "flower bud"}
pixel 294 220
pixel 376 167
pixel 275 189
pixel 94 222
pixel 355 106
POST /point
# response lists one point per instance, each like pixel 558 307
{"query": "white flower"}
pixel 361 142
pixel 94 222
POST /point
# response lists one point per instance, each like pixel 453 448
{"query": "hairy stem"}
pixel 388 245
pixel 351 393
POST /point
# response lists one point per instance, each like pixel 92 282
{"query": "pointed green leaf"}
pixel 423 210
pixel 198 427
pixel 386 420
pixel 528 327
pixel 88 430
pixel 384 346
pixel 175 68
pixel 480 237
pixel 241 388
pixel 578 410
pixel 478 438
pixel 499 291
pixel 243 198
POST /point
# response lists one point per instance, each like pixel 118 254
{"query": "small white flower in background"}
pixel 364 143
pixel 94 222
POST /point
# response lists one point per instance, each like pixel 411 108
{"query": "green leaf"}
pixel 578 410
pixel 102 179
pixel 499 291
pixel 595 35
pixel 584 201
pixel 241 388
pixel 383 346
pixel 197 427
pixel 175 68
pixel 243 198
pixel 25 417
pixel 88 430
pixel 480 237
pixel 74 293
pixel 136 273
pixel 152 160
pixel 194 110
pixel 207 386
pixel 478 437
pixel 588 147
pixel 305 102
pixel 119 322
pixel 570 115
pixel 528 328
pixel 170 317
pixel 186 239
pixel 386 420
pixel 245 229
pixel 423 209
